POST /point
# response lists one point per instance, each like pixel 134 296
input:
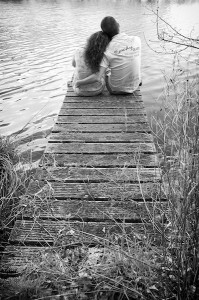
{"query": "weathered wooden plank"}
pixel 98 148
pixel 17 258
pixel 101 174
pixel 105 92
pixel 107 190
pixel 101 137
pixel 103 104
pixel 71 93
pixel 68 232
pixel 88 210
pixel 137 127
pixel 100 160
pixel 99 191
pixel 102 112
pixel 101 119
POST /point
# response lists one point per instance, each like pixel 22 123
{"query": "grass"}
pixel 8 157
pixel 177 138
pixel 8 185
pixel 119 266
pixel 13 184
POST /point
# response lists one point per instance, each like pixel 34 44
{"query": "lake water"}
pixel 37 42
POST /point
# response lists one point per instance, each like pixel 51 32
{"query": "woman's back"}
pixel 82 71
pixel 87 62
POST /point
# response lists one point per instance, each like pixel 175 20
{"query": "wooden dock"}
pixel 98 178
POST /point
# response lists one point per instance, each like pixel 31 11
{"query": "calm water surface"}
pixel 37 42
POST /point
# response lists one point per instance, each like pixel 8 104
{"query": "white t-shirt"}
pixel 123 57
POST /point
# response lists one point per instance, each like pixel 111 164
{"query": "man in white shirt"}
pixel 122 57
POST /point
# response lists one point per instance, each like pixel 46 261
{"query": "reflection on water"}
pixel 38 39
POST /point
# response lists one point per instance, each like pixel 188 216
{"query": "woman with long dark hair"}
pixel 87 61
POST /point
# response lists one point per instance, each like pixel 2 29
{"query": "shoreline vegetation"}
pixel 125 269
pixel 13 184
pixel 8 187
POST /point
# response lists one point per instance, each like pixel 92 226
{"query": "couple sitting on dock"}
pixel 110 59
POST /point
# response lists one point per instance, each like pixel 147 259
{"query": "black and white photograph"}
pixel 99 149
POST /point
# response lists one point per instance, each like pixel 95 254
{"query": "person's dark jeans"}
pixel 117 92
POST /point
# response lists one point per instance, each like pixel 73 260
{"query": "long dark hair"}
pixel 96 45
